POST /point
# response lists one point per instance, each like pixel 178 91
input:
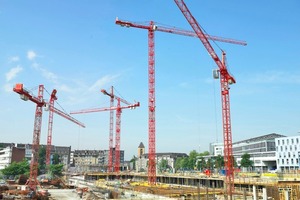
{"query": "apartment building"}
pixel 10 154
pixel 288 153
pixel 93 160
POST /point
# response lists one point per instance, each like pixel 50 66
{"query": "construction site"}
pixel 147 181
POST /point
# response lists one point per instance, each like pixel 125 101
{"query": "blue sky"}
pixel 76 48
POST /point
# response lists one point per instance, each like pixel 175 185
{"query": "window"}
pixel 287 141
pixel 282 161
pixel 282 141
pixel 297 161
pixel 292 161
pixel 278 142
pixel 297 140
pixel 281 148
pixel 292 141
pixel 287 161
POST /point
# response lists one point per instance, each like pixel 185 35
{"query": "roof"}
pixel 141 145
pixel 168 154
pixel 261 138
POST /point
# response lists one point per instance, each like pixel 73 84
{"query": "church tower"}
pixel 141 150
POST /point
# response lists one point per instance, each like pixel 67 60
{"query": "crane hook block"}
pixel 216 74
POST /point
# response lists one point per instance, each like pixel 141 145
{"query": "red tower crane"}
pixel 151 80
pixel 118 109
pixel 25 95
pixel 225 80
pixel 52 109
pixel 118 123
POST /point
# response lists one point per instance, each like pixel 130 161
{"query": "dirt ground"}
pixel 63 194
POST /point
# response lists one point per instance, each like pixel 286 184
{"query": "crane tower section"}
pixel 32 182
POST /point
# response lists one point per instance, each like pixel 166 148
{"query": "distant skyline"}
pixel 76 48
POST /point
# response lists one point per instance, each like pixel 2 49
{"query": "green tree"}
pixel 178 163
pixel 16 168
pixel 200 163
pixel 55 159
pixel 162 165
pixel 185 163
pixel 133 161
pixel 56 170
pixel 246 162
pixel 205 153
pixel 192 159
pixel 42 159
pixel 210 163
pixel 219 162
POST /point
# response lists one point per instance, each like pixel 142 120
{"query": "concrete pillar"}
pixel 286 194
pixel 265 196
pixel 254 193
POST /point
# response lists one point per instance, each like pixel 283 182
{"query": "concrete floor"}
pixel 63 194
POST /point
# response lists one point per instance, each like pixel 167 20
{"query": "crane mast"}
pixel 50 125
pixel 152 107
pixel 25 95
pixel 118 137
pixel 225 79
pixel 111 132
pixel 52 110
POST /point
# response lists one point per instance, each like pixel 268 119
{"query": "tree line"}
pixel 200 162
pixel 15 169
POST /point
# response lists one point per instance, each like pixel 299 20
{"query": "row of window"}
pixel 282 141
pixel 288 161
pixel 286 148
pixel 287 154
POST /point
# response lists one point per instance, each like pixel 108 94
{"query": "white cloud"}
pixel 64 88
pixel 13 73
pixel 31 55
pixel 45 73
pixel 49 75
pixel 13 59
pixel 102 82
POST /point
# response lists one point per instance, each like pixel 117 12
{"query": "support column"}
pixel 265 196
pixel 254 193
pixel 286 194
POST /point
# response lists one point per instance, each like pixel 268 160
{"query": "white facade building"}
pixel 216 149
pixel 262 151
pixel 288 153
pixel 5 157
